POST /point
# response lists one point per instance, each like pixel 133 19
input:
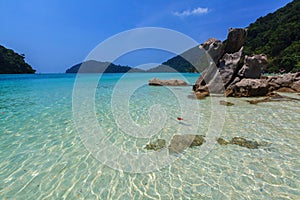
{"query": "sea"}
pixel 68 136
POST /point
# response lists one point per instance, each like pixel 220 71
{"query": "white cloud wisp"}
pixel 195 11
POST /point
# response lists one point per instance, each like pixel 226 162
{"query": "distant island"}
pixel 92 66
pixel 13 63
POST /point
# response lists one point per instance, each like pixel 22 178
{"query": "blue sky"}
pixel 56 34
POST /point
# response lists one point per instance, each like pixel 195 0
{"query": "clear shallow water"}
pixel 43 157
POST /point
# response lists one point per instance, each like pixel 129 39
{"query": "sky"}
pixel 56 34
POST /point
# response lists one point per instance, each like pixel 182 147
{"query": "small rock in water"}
pixel 226 103
pixel 222 142
pixel 244 143
pixel 181 142
pixel 157 145
pixel 258 175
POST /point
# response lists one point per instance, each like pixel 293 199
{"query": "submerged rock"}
pixel 242 142
pixel 222 142
pixel 226 103
pixel 157 145
pixel 159 82
pixel 181 142
pixel 273 97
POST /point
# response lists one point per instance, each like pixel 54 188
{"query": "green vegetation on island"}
pixel 278 36
pixel 13 63
pixel 92 66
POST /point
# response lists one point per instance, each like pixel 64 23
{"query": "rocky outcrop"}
pixel 159 82
pixel 240 77
pixel 253 66
pixel 248 88
pixel 226 57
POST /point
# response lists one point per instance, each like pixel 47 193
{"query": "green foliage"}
pixel 278 36
pixel 13 63
pixel 92 66
pixel 188 62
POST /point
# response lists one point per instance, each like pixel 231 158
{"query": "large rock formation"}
pixel 233 75
pixel 226 57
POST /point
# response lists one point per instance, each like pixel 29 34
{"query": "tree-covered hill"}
pixel 278 36
pixel 187 62
pixel 92 66
pixel 13 63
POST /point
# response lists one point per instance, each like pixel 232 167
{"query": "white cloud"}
pixel 195 11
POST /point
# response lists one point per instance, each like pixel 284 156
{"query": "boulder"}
pixel 235 39
pixel 159 82
pixel 285 80
pixel 202 92
pixel 248 88
pixel 214 48
pixel 211 81
pixel 297 76
pixel 253 66
pixel 296 86
pixel 228 66
pixel 181 142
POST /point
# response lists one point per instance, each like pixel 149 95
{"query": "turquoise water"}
pixel 44 155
